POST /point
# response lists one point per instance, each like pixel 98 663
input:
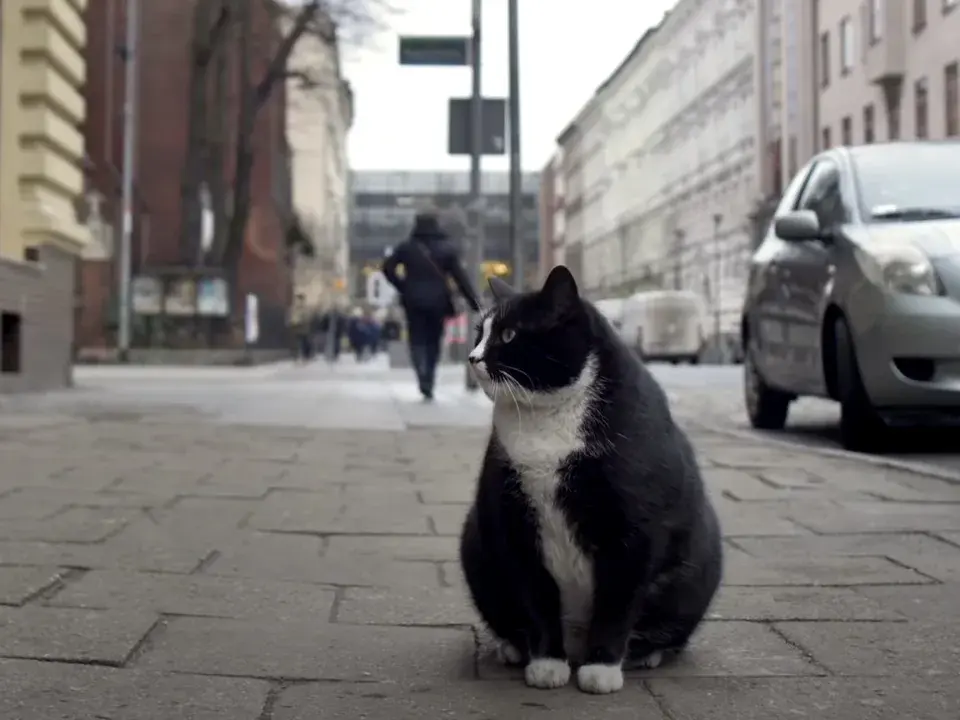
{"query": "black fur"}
pixel 633 495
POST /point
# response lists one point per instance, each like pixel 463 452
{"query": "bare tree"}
pixel 228 28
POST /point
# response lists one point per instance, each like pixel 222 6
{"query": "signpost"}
pixel 493 127
pixel 429 51
pixel 454 52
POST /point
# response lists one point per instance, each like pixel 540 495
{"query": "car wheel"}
pixel 861 427
pixel 767 407
pixel 694 360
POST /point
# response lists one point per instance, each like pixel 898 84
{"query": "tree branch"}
pixel 203 54
pixel 278 65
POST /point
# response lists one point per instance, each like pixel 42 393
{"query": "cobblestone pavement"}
pixel 168 559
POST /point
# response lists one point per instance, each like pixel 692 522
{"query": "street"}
pixel 280 543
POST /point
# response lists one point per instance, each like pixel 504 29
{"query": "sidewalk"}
pixel 182 549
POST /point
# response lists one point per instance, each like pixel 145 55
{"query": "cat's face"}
pixel 532 343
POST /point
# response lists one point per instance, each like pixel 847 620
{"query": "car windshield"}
pixel 910 182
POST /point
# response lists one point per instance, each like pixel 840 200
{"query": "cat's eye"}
pixel 508 335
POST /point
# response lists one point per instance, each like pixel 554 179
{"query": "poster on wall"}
pixel 212 297
pixel 146 295
pixel 181 297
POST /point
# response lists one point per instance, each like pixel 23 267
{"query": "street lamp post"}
pixel 717 279
pixel 476 177
pixel 132 57
pixel 516 191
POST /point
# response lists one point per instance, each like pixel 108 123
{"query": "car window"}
pixel 822 194
pixel 788 201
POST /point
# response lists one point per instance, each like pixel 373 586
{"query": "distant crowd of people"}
pixel 326 331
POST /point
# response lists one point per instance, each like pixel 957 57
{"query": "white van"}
pixel 664 325
pixel 612 310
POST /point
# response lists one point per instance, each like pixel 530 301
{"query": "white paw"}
pixel 600 679
pixel 507 654
pixel 651 661
pixel 547 673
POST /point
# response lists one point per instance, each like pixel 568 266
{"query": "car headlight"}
pixel 900 269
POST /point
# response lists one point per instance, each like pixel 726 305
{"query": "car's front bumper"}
pixel 909 355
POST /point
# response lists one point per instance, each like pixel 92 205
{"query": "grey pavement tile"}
pixel 930 603
pixel 18 584
pixel 818 546
pixel 739 519
pixel 298 650
pixel 726 649
pixel 742 486
pixel 168 554
pixel 323 513
pixel 880 649
pixel 37 502
pixel 755 457
pixel 400 547
pixel 482 701
pixel 810 698
pixel 880 517
pixel 422 606
pixel 297 558
pixel 798 603
pixel 447 519
pixel 197 595
pixel 457 493
pixel 74 525
pixel 90 636
pixel 32 690
pixel 741 569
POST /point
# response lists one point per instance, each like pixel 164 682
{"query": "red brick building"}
pixel 162 136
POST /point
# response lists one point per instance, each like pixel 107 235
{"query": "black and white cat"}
pixel 591 542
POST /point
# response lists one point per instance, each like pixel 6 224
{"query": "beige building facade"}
pixel 884 70
pixel 42 73
pixel 319 116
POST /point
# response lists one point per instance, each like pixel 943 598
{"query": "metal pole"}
pixel 718 278
pixel 516 197
pixel 476 154
pixel 132 54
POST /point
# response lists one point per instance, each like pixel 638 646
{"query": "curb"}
pixel 918 468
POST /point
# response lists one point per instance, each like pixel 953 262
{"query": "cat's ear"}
pixel 560 289
pixel 500 289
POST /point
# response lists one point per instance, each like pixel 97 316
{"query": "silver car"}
pixel 854 294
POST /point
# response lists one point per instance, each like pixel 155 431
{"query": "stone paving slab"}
pixel 311 651
pixel 58 691
pixel 489 701
pixel 320 567
pixel 197 595
pixel 811 698
pixel 42 633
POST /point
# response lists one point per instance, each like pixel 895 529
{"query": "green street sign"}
pixel 435 51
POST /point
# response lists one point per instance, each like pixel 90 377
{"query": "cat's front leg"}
pixel 615 608
pixel 548 666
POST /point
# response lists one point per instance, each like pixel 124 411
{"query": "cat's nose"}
pixel 473 359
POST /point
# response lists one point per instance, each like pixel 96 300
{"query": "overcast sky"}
pixel 565 52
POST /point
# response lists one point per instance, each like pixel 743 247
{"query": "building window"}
pixel 848 49
pixel 824 59
pixel 919 15
pixel 869 134
pixel 846 131
pixel 826 141
pixel 875 16
pixel 893 122
pixel 951 92
pixel 921 102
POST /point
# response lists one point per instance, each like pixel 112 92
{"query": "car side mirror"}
pixel 798 226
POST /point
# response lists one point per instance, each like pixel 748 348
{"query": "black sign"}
pixel 460 135
pixel 435 51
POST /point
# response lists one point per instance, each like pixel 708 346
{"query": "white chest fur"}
pixel 537 441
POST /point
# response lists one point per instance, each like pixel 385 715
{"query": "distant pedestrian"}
pixel 429 261
pixel 298 322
